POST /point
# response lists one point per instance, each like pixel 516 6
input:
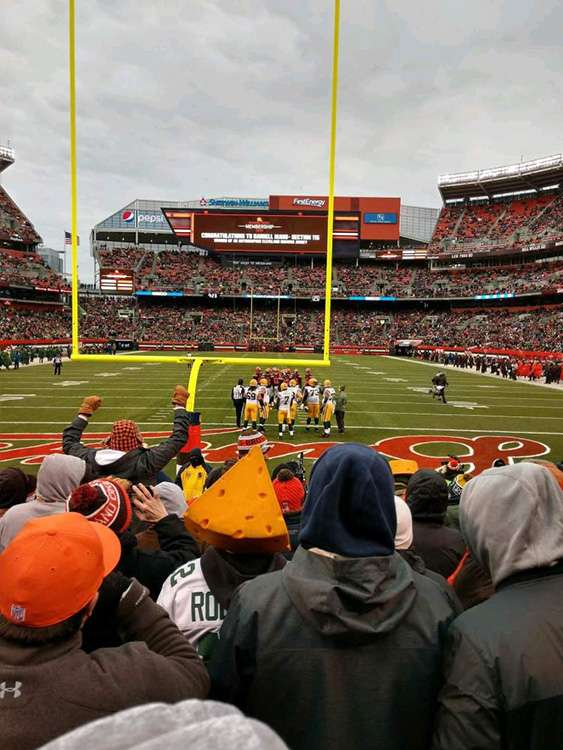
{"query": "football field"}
pixel 389 407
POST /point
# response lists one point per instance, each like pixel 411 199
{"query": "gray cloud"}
pixel 199 97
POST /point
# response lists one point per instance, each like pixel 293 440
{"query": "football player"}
pixel 285 401
pixel 297 399
pixel 263 395
pixel 311 398
pixel 251 404
pixel 327 408
pixel 439 383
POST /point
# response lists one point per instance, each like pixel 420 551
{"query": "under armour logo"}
pixel 5 690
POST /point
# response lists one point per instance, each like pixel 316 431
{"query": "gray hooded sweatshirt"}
pixel 193 724
pixel 504 676
pixel 58 475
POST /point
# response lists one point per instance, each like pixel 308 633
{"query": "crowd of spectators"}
pixel 374 604
pixel 203 275
pixel 539 329
pixel 526 219
pixel 14 224
pixel 27 269
pixel 33 324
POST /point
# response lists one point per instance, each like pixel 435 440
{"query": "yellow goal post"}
pixel 196 361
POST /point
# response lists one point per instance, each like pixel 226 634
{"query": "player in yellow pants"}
pixel 327 407
pixel 263 403
pixel 285 402
pixel 251 404
pixel 297 399
pixel 311 400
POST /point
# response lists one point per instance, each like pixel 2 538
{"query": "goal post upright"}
pixel 196 361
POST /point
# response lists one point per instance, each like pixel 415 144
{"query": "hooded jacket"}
pixel 137 465
pixel 504 682
pixel 337 651
pixel 440 546
pixel 193 724
pixel 57 476
pixel 50 689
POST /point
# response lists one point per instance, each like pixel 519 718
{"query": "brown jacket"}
pixel 46 691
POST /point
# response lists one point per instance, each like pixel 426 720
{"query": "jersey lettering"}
pixel 183 572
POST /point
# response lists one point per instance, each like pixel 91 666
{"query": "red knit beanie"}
pixel 103 501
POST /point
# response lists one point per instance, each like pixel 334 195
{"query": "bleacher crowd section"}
pixel 501 222
pixel 176 270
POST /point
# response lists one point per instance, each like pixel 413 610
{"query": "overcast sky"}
pixel 180 99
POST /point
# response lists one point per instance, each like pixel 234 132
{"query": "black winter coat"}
pixel 504 669
pixel 138 465
pixel 441 547
pixel 151 568
pixel 336 653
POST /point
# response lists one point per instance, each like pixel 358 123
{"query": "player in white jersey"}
pixel 311 398
pixel 263 394
pixel 285 402
pixel 251 404
pixel 327 408
pixel 297 399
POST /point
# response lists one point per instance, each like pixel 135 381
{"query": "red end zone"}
pixel 479 451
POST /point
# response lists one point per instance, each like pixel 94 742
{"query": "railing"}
pixel 7 152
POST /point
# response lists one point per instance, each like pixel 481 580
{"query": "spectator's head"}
pixel 511 518
pixel 404 533
pixel 402 470
pixel 172 498
pixel 189 724
pixel 289 491
pixel 249 439
pixel 350 506
pixel 552 468
pixel 15 486
pixel 218 472
pixel 51 572
pixel 194 458
pixel 58 476
pixel 240 512
pixel 104 501
pixel 427 496
pixel 125 436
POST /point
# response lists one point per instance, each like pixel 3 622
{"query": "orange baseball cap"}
pixel 54 567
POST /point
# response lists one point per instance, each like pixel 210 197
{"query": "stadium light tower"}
pixel 197 361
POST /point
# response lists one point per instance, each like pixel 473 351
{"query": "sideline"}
pixel 471 371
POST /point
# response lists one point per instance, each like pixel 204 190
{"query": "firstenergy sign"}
pixel 310 202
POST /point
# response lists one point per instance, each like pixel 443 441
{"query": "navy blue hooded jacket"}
pixel 350 507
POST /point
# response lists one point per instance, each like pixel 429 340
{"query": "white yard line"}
pixel 348 411
pixel 273 427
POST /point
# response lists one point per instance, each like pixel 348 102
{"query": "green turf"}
pixel 383 405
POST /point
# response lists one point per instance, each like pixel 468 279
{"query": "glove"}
pixel 89 405
pixel 112 589
pixel 180 396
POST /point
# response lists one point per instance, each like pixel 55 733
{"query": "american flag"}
pixel 68 239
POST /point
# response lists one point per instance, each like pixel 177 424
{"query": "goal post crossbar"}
pixel 198 360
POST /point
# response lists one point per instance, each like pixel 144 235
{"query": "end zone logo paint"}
pixel 478 452
pixel 128 216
